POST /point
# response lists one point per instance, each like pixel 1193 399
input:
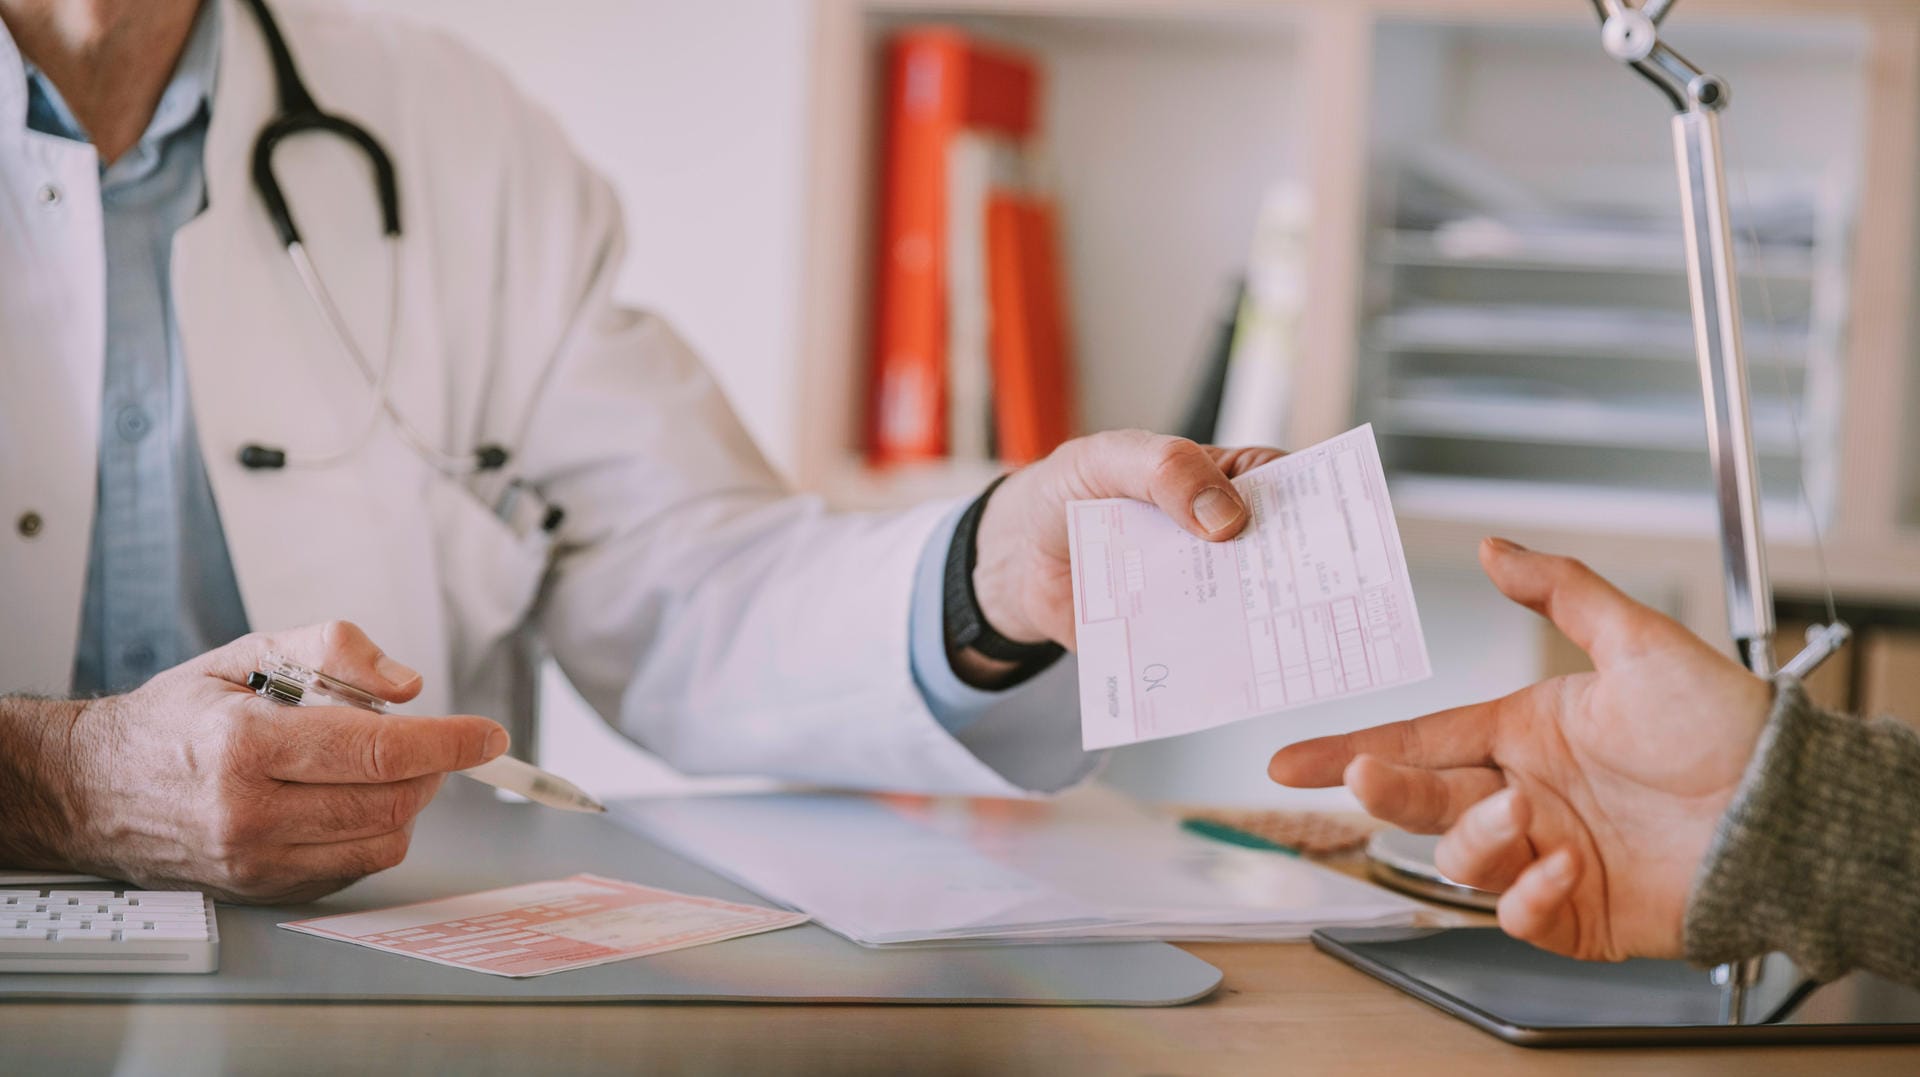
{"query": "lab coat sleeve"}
pixel 1004 727
pixel 955 703
pixel 721 621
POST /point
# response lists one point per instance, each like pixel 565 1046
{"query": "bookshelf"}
pixel 1134 125
pixel 1168 120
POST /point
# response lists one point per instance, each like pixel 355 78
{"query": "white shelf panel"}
pixel 1573 332
pixel 1577 252
pixel 1573 422
pixel 1583 509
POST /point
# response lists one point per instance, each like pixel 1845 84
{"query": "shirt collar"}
pixel 190 89
pixel 193 77
pixel 13 83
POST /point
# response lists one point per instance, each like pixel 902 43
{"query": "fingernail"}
pixel 496 742
pixel 1505 545
pixel 1498 821
pixel 1559 867
pixel 394 673
pixel 1215 509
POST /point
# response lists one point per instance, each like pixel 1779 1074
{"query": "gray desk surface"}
pixel 468 841
pixel 1285 1008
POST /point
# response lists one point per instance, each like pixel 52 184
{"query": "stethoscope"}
pixel 299 114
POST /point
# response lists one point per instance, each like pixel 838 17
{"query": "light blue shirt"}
pixel 160 583
pixel 160 586
pixel 953 701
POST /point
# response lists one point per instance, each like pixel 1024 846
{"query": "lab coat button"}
pixel 133 422
pixel 29 524
pixel 49 195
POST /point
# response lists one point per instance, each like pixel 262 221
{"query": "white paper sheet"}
pixel 1310 604
pixel 888 870
pixel 23 878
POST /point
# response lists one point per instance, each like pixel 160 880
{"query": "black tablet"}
pixel 1533 998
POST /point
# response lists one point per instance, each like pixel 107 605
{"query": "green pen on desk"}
pixel 1207 828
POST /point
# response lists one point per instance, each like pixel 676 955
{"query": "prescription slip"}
pixel 1311 603
pixel 546 927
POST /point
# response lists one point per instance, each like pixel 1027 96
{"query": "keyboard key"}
pixel 84 934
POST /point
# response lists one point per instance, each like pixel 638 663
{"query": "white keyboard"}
pixel 107 931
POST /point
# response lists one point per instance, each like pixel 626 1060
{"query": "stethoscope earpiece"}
pixel 261 458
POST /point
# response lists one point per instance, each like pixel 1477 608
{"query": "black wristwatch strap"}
pixel 967 627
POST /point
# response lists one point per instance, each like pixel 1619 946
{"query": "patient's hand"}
pixel 193 781
pixel 1590 799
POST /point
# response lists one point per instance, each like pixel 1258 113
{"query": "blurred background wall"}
pixel 1482 222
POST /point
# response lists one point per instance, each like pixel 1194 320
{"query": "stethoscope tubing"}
pixel 300 114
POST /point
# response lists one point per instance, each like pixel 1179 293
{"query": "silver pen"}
pixel 295 685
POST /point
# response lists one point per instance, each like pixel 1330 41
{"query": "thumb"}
pixel 337 648
pixel 1175 475
pixel 1593 613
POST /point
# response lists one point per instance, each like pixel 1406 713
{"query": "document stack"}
pixel 1091 866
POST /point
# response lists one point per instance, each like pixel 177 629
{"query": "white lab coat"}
pixel 721 622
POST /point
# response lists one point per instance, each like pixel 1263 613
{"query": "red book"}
pixel 1032 384
pixel 1053 350
pixel 940 83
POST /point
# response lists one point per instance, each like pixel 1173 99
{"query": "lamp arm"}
pixel 1723 377
pixel 1631 36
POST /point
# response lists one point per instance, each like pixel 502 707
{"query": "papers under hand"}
pixel 1311 603
pixel 1092 865
pixel 23 878
pixel 539 928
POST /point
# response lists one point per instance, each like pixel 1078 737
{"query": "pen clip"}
pixel 291 683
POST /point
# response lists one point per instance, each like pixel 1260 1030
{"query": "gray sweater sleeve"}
pixel 1819 855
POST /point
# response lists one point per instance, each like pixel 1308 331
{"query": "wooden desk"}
pixel 1285 1008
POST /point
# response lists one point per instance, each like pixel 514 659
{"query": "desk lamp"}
pixel 1524 994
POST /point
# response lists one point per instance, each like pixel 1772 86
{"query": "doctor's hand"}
pixel 192 781
pixel 1023 578
pixel 1589 799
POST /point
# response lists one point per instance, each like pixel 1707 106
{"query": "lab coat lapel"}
pixel 308 544
pixel 52 351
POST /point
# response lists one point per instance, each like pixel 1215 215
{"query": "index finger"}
pixel 1237 462
pixel 337 648
pixel 1461 737
pixel 343 745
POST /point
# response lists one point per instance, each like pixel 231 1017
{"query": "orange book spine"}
pixel 939 83
pixel 1046 298
pixel 1010 333
pixel 925 103
pixel 1032 384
